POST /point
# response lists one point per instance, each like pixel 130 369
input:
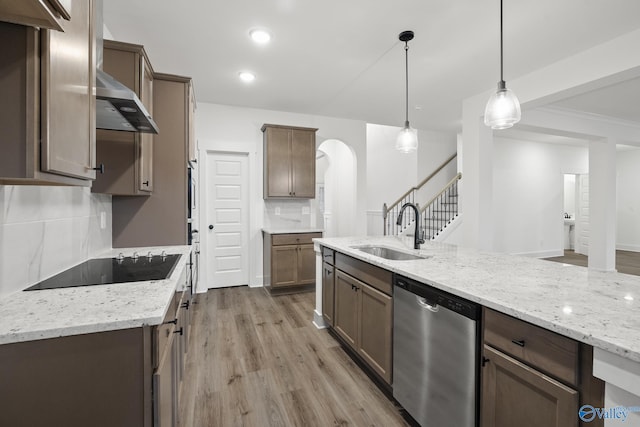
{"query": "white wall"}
pixel 628 216
pixel 570 194
pixel 45 230
pixel 528 188
pixel 390 173
pixel 596 67
pixel 236 129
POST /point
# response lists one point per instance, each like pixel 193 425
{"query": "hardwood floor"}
pixel 627 262
pixel 257 360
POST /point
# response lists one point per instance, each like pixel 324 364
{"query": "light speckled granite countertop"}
pixel 597 308
pixel 50 313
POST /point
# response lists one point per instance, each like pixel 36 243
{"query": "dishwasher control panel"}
pixel 435 296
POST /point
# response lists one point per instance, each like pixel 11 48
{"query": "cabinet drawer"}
pixel 376 277
pixel 328 255
pixel 294 239
pixel 540 348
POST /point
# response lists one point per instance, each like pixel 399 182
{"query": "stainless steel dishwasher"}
pixel 435 355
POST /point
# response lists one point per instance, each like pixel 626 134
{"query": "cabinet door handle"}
pixel 484 361
pixel 186 304
pixel 518 342
pixel 174 321
pixel 100 168
pixel 179 331
pixel 146 183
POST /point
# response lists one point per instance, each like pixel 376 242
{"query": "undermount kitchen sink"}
pixel 390 253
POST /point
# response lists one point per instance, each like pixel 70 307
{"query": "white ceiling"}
pixel 343 59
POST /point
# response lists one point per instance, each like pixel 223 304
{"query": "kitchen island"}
pixel 595 308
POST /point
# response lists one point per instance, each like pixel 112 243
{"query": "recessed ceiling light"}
pixel 260 36
pixel 628 297
pixel 246 76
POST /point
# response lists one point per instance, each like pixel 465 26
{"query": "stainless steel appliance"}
pixel 435 355
pixel 117 106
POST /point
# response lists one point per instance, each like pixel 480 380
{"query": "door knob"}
pixel 210 226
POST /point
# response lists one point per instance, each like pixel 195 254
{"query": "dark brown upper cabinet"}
pixel 47 108
pixel 289 162
pixel 127 156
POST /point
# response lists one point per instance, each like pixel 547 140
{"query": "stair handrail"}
pixel 444 189
pixel 419 186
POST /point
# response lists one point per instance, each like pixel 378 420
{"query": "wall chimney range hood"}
pixel 119 108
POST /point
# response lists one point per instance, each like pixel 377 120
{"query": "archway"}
pixel 336 191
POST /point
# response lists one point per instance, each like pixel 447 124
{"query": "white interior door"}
pixel 227 226
pixel 582 215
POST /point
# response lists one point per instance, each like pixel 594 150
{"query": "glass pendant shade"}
pixel 503 109
pixel 407 140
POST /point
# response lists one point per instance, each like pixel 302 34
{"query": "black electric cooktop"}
pixel 104 271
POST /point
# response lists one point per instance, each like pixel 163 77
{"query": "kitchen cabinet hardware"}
pixel 485 361
pixel 100 168
pixel 210 226
pixel 518 342
pixel 186 304
pixel 146 183
pixel 194 231
pixel 179 331
pixel 174 321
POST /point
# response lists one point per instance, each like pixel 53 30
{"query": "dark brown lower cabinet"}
pixel 363 319
pixel 129 377
pixel 289 261
pixel 514 394
pixel 99 380
pixel 328 287
pixel 346 307
pixel 165 411
pixel 374 333
pixel 534 377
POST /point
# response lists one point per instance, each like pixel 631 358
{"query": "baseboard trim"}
pixel 318 320
pixel 625 247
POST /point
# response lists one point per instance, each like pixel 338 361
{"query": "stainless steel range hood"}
pixel 117 106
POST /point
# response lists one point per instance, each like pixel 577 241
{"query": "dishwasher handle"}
pixel 424 303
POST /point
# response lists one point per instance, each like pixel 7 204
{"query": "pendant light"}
pixel 503 108
pixel 407 140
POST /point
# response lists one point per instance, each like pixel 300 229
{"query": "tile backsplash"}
pixel 288 214
pixel 45 230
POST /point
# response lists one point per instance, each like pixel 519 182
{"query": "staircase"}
pixel 435 215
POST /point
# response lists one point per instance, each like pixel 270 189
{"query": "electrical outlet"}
pixel 103 220
pixel 277 210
